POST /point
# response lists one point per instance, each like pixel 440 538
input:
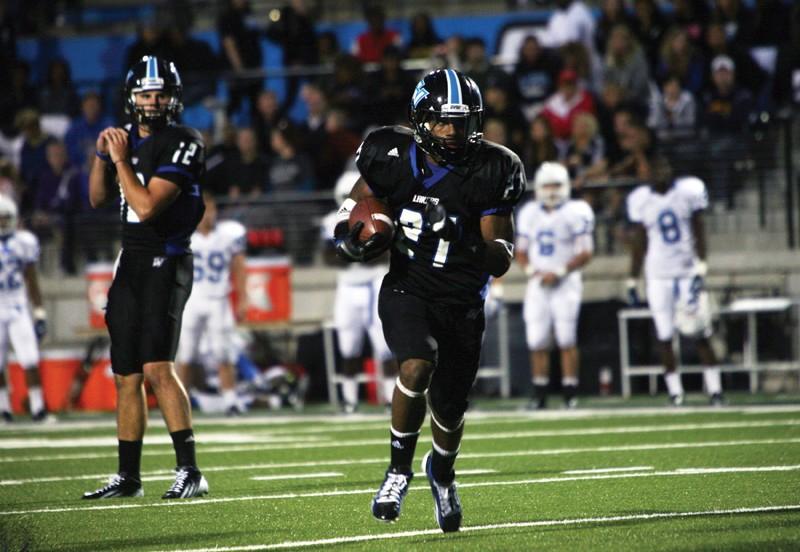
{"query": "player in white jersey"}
pixel 355 310
pixel 208 319
pixel 19 282
pixel 669 239
pixel 554 241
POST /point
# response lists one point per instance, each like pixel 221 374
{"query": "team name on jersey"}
pixel 424 200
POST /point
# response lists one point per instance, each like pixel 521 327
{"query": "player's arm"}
pixel 494 254
pixel 101 187
pixel 31 277
pixel 699 234
pixel 638 250
pixel 146 201
pixel 239 278
pixel 348 246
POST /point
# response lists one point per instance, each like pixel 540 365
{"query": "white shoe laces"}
pixel 180 481
pixel 448 499
pixel 393 487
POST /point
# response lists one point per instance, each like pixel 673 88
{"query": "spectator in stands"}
pixel 494 130
pixel 561 108
pixel 370 44
pixel 340 144
pixel 8 41
pixel 290 170
pixel 84 129
pixel 571 21
pixel 241 52
pixel 149 42
pixel 649 27
pixel 498 100
pixel 610 100
pixel 673 112
pixel 680 59
pixel 613 13
pixel 726 106
pixel 476 64
pixel 772 23
pixel 424 40
pixel 219 159
pixel 737 20
pixel 450 54
pixel 748 73
pixel 248 173
pixel 293 29
pixel 535 74
pixel 196 61
pixel 16 96
pixel 60 196
pixel 540 147
pixel 346 89
pixel 9 180
pixel 58 96
pixel 626 65
pixel 33 156
pixel 268 116
pixel 786 91
pixel 575 56
pixel 637 144
pixel 327 47
pixel 585 155
pixel 390 88
pixel 691 16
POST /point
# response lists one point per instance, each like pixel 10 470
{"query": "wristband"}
pixel 560 272
pixel 343 213
pixel 39 313
pixel 630 283
pixel 102 156
pixel 701 268
pixel 530 270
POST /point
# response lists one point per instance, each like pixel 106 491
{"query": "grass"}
pixel 679 479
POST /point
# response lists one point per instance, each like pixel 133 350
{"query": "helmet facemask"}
pixel 154 75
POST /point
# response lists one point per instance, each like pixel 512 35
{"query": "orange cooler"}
pixel 98 280
pixel 269 289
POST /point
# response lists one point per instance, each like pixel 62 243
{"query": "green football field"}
pixel 610 478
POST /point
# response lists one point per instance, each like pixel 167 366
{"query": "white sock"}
pixel 388 390
pixel 350 390
pixel 229 397
pixel 711 377
pixel 5 404
pixel 569 381
pixel 543 381
pixel 674 385
pixel 35 399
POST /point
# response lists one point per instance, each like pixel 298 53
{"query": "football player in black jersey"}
pixel 452 194
pixel 155 166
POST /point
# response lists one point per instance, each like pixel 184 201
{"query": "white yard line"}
pixel 379 420
pixel 381 460
pixel 608 470
pixel 318 494
pixel 288 476
pixel 496 526
pixel 312 443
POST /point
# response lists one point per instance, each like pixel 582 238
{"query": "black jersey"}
pixel 422 263
pixel 175 153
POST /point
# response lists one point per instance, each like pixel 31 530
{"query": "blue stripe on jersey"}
pixel 496 211
pixel 438 172
pixel 173 169
pixel 453 87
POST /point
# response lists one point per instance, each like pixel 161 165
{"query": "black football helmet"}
pixel 152 73
pixel 445 95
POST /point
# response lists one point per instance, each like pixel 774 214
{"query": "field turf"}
pixel 617 478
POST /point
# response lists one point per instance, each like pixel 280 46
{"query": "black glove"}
pixel 351 249
pixel 435 217
pixel 40 326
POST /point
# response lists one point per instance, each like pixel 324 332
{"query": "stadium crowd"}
pixel 597 90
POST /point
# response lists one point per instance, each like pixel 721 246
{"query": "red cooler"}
pixel 98 280
pixel 268 289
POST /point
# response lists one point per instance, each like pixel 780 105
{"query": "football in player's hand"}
pixel 376 216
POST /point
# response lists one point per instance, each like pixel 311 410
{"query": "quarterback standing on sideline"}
pixel 19 282
pixel 355 310
pixel 218 249
pixel 156 166
pixel 554 241
pixel 669 239
pixel 452 194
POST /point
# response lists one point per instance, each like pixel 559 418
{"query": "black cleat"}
pixel 571 403
pixel 537 403
pixel 717 399
pixel 446 505
pixel 233 411
pixel 119 485
pixel 6 416
pixel 676 400
pixel 189 482
pixel 389 499
pixel 43 417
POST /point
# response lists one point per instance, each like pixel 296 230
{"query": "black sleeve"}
pixel 181 159
pixel 506 187
pixel 372 162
